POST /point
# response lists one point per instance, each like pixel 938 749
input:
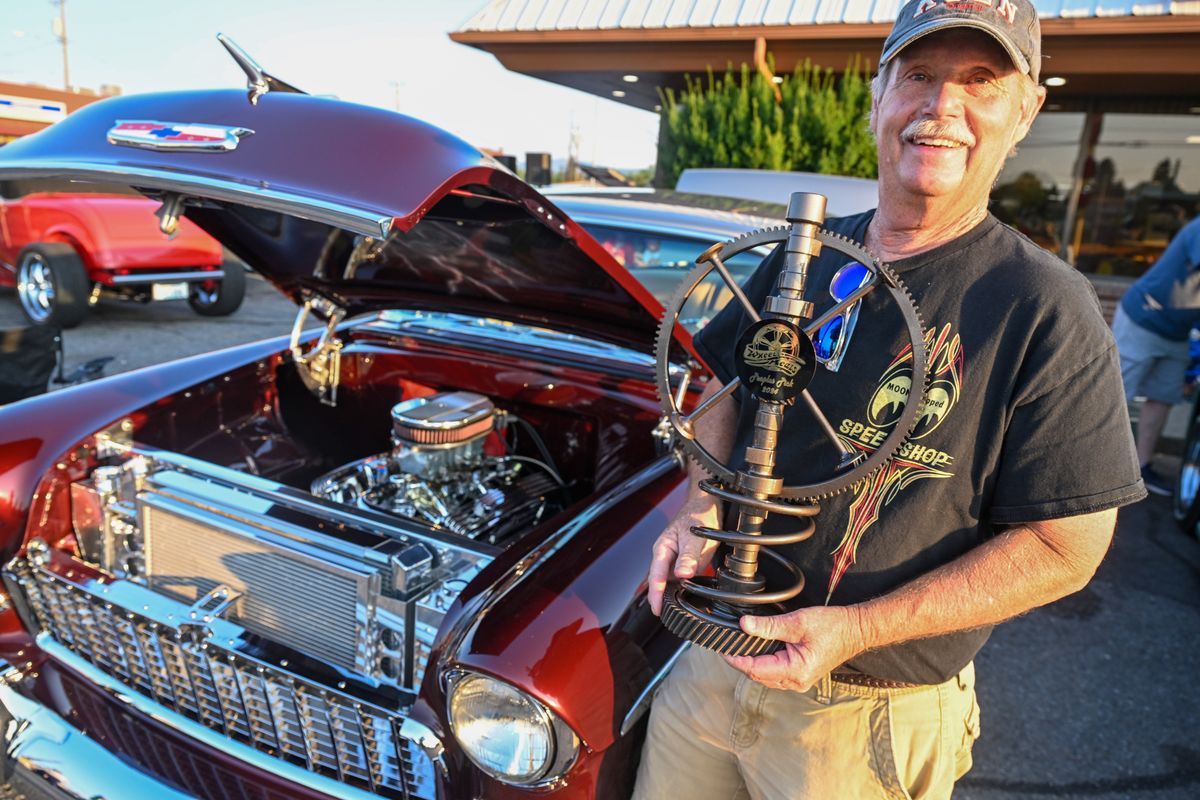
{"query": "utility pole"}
pixel 572 172
pixel 59 26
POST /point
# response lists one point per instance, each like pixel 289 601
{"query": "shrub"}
pixel 819 123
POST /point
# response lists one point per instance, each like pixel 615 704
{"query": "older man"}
pixel 1002 500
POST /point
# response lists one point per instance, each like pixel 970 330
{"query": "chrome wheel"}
pixel 1189 482
pixel 1186 503
pixel 219 297
pixel 35 287
pixel 206 293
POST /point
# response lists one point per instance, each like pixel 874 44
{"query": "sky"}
pixel 389 53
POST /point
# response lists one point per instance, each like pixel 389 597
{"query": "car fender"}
pixel 571 625
pixel 50 222
pixel 65 419
pixel 83 227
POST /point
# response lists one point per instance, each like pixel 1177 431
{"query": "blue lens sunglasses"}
pixel 832 338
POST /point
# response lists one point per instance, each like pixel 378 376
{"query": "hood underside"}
pixel 368 208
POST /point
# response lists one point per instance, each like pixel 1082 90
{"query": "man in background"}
pixel 1151 327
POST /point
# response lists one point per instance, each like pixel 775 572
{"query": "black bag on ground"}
pixel 27 359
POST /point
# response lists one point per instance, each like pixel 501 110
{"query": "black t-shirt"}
pixel 1024 420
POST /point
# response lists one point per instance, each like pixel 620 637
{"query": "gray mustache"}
pixel 933 129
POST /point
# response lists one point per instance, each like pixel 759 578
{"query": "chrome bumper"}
pixel 168 277
pixel 44 753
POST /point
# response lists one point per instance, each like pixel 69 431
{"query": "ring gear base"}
pixel 725 637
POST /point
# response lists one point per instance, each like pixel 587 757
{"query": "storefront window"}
pixel 1141 185
pixel 1032 191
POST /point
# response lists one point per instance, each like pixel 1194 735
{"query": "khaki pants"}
pixel 717 735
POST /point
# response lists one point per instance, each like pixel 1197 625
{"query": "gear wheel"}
pixel 914 328
pixel 688 624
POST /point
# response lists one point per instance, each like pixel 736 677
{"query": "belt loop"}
pixel 824 689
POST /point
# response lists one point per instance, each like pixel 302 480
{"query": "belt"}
pixel 859 679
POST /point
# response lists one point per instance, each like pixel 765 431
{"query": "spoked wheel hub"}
pixel 35 287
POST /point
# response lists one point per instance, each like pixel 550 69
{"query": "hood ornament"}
pixel 259 80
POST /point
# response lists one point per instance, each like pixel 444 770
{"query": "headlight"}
pixel 507 733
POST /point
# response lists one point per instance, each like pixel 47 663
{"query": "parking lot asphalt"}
pixel 141 334
pixel 1094 696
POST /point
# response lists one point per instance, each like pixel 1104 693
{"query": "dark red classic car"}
pixel 62 251
pixel 404 557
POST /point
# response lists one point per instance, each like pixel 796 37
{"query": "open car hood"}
pixel 368 208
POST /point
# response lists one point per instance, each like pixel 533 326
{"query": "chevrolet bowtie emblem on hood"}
pixel 185 136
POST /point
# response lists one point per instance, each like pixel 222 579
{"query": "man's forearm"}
pixel 1020 569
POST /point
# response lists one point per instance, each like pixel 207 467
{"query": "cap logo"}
pixel 1006 9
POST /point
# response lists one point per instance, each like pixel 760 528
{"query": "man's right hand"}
pixel 681 552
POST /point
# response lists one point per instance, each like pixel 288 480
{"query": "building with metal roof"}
pixel 1146 53
pixel 1109 172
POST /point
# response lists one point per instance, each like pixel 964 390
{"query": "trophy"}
pixel 776 359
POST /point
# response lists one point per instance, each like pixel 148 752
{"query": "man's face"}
pixel 951 111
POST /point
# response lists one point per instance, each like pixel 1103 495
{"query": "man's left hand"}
pixel 816 640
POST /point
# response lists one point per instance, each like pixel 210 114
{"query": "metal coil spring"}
pixel 707 588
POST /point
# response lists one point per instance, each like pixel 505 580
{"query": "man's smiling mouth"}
pixel 938 133
pixel 946 143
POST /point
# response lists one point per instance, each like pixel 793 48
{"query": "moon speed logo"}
pixel 890 398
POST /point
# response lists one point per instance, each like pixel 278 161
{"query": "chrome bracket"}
pixel 320 366
pixel 662 436
pixel 206 609
pixel 664 432
pixel 115 441
pixel 423 737
pixel 216 602
pixel 168 214
pixel 366 248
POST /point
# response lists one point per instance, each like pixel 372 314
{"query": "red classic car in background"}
pixel 62 251
pixel 405 558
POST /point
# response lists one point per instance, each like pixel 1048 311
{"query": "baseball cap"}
pixel 1012 23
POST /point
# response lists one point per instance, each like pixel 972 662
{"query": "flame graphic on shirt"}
pixel 914 461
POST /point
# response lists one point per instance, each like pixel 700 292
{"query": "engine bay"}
pixel 335 535
pixel 451 466
pixel 359 591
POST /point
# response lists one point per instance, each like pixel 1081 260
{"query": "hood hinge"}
pixel 320 366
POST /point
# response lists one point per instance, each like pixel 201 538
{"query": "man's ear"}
pixel 1030 107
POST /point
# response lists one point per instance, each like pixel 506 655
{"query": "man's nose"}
pixel 945 99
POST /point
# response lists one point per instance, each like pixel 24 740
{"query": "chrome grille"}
pixel 256 703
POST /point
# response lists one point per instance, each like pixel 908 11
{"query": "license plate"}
pixel 169 291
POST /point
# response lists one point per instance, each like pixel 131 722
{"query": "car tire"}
pixel 1186 501
pixel 52 285
pixel 224 298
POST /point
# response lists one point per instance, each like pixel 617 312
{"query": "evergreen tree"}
pixel 819 124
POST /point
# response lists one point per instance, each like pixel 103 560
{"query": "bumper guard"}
pixel 47 758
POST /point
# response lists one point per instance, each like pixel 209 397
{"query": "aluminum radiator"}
pixel 314 604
